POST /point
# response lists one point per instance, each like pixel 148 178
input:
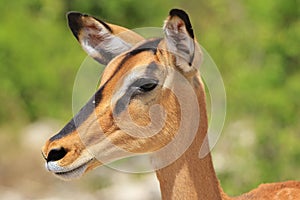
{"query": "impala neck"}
pixel 190 177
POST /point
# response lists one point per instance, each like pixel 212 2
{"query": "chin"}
pixel 77 172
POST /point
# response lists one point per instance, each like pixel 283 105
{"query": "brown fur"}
pixel 288 190
pixel 188 177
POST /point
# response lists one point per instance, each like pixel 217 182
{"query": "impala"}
pixel 151 99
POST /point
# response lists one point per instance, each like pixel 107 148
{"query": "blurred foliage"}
pixel 254 43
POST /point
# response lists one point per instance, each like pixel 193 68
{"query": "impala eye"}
pixel 143 85
pixel 147 87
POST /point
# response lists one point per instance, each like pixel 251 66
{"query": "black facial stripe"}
pixel 88 109
pixel 122 102
pixel 130 93
pixel 81 116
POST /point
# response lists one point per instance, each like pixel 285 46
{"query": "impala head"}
pixel 136 108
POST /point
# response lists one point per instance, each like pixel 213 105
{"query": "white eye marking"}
pixel 130 77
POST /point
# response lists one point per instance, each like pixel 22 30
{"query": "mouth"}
pixel 73 173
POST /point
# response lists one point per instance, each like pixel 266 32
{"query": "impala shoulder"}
pixel 285 190
pixel 289 190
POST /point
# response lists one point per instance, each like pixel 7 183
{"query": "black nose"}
pixel 56 154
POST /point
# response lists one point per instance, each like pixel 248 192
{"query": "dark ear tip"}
pixel 184 16
pixel 74 22
pixel 72 15
pixel 177 12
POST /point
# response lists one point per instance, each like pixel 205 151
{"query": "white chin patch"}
pixel 73 171
pixel 72 174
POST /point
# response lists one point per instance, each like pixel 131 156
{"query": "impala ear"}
pixel 102 41
pixel 179 37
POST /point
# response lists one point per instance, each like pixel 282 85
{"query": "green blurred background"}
pixel 255 44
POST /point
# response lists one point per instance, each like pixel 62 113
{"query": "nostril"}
pixel 56 154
